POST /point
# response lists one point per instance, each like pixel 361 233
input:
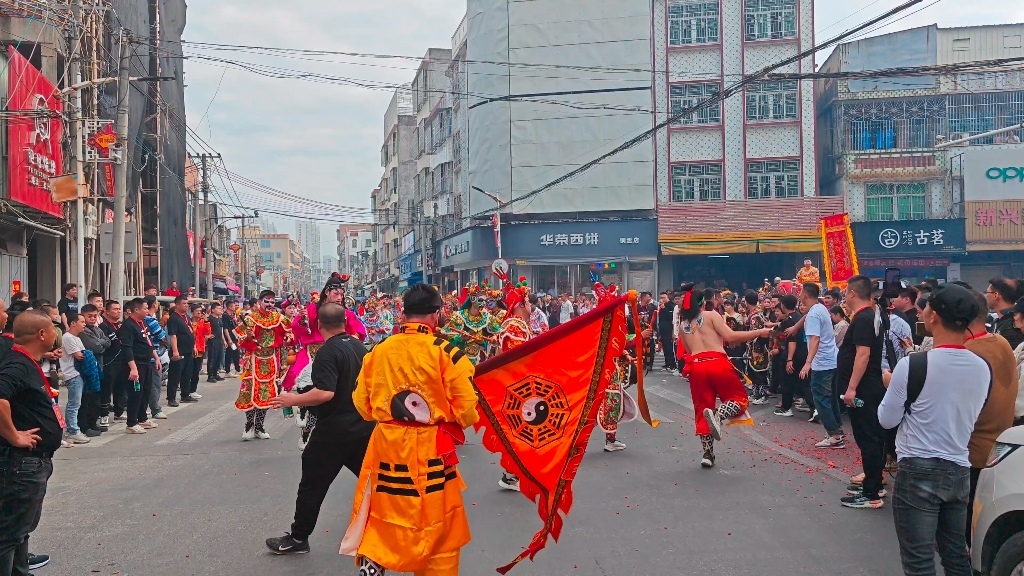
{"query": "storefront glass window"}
pixel 576 278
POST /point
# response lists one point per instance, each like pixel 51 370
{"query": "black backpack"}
pixel 919 372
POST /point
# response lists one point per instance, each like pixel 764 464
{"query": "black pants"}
pixel 793 385
pixel 668 348
pixel 23 481
pixel 179 375
pixel 778 372
pixel 138 400
pixel 870 437
pixel 118 387
pixel 213 354
pixel 232 358
pixel 321 463
pixel 193 381
pixel 89 413
pixel 110 375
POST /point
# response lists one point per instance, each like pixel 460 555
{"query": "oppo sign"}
pixel 993 173
pixel 1005 174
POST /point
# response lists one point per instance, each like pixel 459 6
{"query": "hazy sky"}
pixel 323 141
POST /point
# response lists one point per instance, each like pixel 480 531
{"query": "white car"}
pixel 998 522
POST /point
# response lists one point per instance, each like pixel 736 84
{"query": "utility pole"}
pixel 207 226
pixel 78 127
pixel 197 238
pixel 120 173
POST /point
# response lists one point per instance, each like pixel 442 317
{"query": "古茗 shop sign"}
pixel 1007 174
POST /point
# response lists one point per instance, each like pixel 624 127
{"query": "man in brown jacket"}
pixel 997 414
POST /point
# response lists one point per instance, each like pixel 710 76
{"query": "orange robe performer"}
pixel 710 372
pixel 407 515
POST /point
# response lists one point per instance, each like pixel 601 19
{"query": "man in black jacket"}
pixel 1001 295
pixel 96 342
pixel 137 350
pixel 112 389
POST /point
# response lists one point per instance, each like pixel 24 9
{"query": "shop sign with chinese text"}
pixel 995 221
pixel 896 238
pixel 34 135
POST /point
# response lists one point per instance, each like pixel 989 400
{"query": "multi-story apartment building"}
pixel 389 203
pixel 736 182
pixel 356 257
pixel 282 263
pixel 934 212
pixel 433 181
pixel 307 234
pixel 538 88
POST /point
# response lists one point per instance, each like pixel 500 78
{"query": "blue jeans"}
pixel 929 507
pixel 74 386
pixel 826 400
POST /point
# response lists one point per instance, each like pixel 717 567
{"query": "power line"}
pixel 711 100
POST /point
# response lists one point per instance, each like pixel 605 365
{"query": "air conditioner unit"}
pixel 959 136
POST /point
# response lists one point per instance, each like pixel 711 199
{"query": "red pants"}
pixel 712 374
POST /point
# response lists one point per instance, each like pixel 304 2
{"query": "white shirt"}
pixel 943 417
pixel 818 323
pixel 71 345
pixel 565 314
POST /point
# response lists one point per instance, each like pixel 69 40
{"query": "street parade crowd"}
pixel 384 386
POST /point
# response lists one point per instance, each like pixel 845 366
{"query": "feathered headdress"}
pixel 605 294
pixel 516 294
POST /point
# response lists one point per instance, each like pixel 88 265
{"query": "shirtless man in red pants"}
pixel 710 372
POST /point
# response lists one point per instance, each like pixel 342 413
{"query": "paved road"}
pixel 191 498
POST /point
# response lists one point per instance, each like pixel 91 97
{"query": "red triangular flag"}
pixel 538 406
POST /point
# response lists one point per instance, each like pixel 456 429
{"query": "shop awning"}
pixel 799 245
pixel 698 248
pixel 740 242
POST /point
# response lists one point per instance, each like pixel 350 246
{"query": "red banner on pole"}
pixel 837 246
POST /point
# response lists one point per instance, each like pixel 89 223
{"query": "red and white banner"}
pixel 837 246
pixel 34 137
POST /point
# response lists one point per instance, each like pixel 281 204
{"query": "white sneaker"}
pixel 195 396
pixel 801 407
pixel 248 435
pixel 714 424
pixel 814 417
pixel 148 425
pixel 105 421
pixel 135 429
pixel 262 435
pixel 832 442
pixel 614 446
pixel 302 445
pixel 509 482
pixel 759 401
pixel 781 412
pixel 160 416
pixel 78 438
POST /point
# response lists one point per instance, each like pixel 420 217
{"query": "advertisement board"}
pixel 993 172
pixel 905 237
pixel 33 136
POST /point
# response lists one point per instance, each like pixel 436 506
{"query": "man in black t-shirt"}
pixel 665 311
pixel 340 437
pixel 30 433
pixel 183 347
pixel 69 303
pixel 112 389
pixel 793 349
pixel 859 377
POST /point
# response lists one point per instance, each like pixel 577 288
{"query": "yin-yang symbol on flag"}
pixel 537 410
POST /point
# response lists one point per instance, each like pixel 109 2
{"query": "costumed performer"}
pixel 515 331
pixel 407 514
pixel 262 334
pixel 472 328
pixel 618 405
pixel 710 372
pixel 378 322
pixel 808 273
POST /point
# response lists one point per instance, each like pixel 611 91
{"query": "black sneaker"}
pixel 37 561
pixel 855 489
pixel 188 400
pixel 860 501
pixel 708 460
pixel 92 433
pixel 173 403
pixel 287 545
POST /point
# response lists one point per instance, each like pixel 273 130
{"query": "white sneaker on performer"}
pixel 262 435
pixel 509 481
pixel 714 424
pixel 248 435
pixel 614 446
